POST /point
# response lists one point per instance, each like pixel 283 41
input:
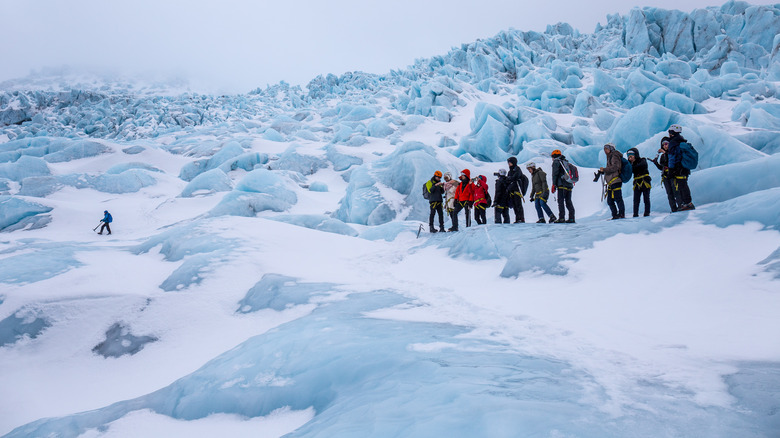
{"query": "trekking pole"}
pixel 603 188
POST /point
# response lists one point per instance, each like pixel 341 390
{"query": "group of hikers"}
pixel 467 194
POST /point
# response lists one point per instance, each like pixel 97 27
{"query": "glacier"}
pixel 270 256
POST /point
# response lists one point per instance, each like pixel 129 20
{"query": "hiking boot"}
pixel 452 229
pixel 636 215
pixel 434 230
pixel 570 221
pixel 561 221
pixel 540 221
pixel 552 219
pixel 688 206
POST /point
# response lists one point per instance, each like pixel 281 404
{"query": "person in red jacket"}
pixel 464 199
pixel 480 199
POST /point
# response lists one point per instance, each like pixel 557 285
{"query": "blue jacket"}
pixel 674 152
pixel 107 218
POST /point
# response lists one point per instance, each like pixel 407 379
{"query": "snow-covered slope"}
pixel 264 276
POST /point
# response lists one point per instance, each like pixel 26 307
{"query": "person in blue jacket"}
pixel 682 193
pixel 107 219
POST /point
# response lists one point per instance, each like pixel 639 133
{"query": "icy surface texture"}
pixel 39 261
pixel 444 382
pixel 119 342
pixel 14 209
pixel 26 323
pixel 318 222
pixel 278 292
pixel 400 175
pixel 259 190
pixel 200 251
pixel 214 180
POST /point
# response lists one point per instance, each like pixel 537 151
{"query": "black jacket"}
pixel 501 197
pixel 639 168
pixel 558 173
pixel 436 191
pixel 513 178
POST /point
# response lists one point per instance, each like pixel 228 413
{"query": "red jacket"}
pixel 464 192
pixel 480 191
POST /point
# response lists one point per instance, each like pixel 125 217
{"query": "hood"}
pixel 467 173
pixel 634 152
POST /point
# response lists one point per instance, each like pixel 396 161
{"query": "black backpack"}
pixel 523 184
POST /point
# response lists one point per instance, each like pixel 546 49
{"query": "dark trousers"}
pixel 670 194
pixel 682 194
pixel 641 191
pixel 436 207
pixel 461 205
pixel 501 214
pixel 615 199
pixel 106 227
pixel 564 200
pixel 480 214
pixel 516 203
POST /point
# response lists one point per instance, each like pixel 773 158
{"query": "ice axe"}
pixel 96 227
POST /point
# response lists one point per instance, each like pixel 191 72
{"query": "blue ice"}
pixel 445 382
pixel 24 167
pixel 279 292
pixel 214 180
pixel 317 222
pixel 25 323
pixel 14 209
pixel 120 341
pixel 404 171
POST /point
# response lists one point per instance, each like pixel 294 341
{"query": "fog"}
pixel 236 46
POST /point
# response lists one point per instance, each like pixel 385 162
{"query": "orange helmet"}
pixel 437 173
pixel 555 153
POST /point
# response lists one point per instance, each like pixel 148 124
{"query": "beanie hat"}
pixel 447 175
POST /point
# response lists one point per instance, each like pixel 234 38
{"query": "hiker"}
pixel 435 191
pixel 516 182
pixel 481 199
pixel 641 180
pixel 564 188
pixel 539 192
pixel 662 163
pixel 613 181
pixel 107 219
pixel 501 198
pixel 464 199
pixel 450 185
pixel 679 174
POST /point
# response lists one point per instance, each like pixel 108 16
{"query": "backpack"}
pixel 570 173
pixel 427 190
pixel 488 199
pixel 690 157
pixel 523 184
pixel 626 172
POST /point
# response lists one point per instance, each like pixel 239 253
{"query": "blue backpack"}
pixel 690 157
pixel 626 171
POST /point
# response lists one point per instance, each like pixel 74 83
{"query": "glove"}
pixel 553 189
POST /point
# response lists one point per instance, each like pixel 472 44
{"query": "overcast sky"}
pixel 236 46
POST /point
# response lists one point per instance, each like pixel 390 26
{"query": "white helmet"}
pixel 530 164
pixel 675 128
